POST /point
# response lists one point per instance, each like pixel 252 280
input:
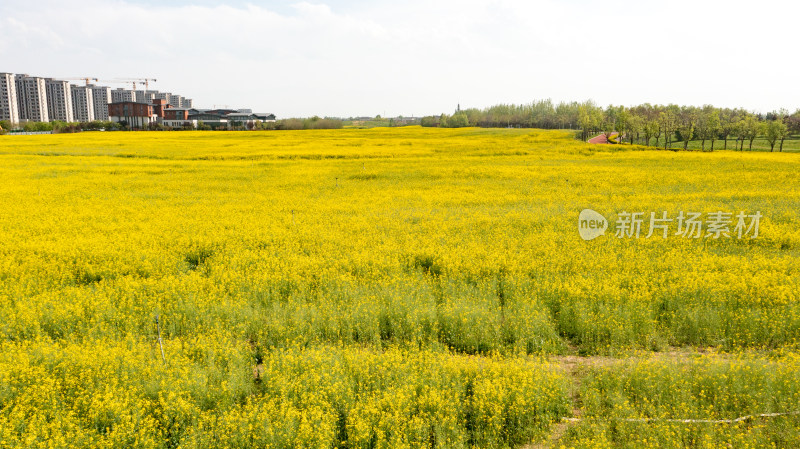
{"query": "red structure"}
pixel 159 106
pixel 175 114
pixel 141 115
pixel 135 115
pixel 130 109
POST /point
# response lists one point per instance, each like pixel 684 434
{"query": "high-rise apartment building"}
pixel 83 103
pixel 101 96
pixel 121 95
pixel 166 96
pixel 9 104
pixel 175 101
pixel 59 100
pixel 145 96
pixel 32 98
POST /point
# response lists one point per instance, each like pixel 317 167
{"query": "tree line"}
pixel 64 127
pixel 644 124
pixel 59 126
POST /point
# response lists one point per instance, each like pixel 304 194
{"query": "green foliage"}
pixel 458 120
pixel 773 131
pixel 430 121
pixel 632 403
pixel 308 123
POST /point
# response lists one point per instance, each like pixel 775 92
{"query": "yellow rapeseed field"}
pixel 389 288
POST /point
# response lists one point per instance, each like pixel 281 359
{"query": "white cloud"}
pixel 418 57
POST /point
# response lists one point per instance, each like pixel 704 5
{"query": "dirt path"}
pixel 601 139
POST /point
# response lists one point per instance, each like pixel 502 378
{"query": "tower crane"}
pixel 133 81
pixel 86 79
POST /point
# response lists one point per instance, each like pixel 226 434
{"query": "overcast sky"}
pixel 417 57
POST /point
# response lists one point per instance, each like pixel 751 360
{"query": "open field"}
pixel 383 288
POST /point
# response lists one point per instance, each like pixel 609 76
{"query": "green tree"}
pixel 729 124
pixel 707 125
pixel 588 119
pixel 773 132
pixel 668 121
pixel 793 122
pixel 651 130
pixel 741 131
pixel 429 121
pixel 784 131
pixel 635 127
pixel 458 120
pixel 622 122
pixel 754 128
pixel 687 121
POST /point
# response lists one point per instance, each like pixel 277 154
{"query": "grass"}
pixel 386 287
pixel 791 144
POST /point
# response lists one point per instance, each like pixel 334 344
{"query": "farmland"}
pixel 388 288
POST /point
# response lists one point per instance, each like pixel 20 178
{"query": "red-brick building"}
pixel 175 114
pixel 135 115
pixel 159 105
pixel 141 115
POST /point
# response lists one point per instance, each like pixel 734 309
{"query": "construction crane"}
pixel 86 79
pixel 133 81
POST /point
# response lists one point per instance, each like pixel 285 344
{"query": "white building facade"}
pixel 166 96
pixel 175 101
pixel 32 98
pixel 59 100
pixel 101 96
pixel 83 103
pixel 9 104
pixel 122 95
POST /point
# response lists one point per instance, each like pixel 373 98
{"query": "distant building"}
pixel 121 95
pixel 214 120
pixel 101 95
pixel 59 100
pixel 221 111
pixel 175 101
pixel 31 98
pixel 83 103
pixel 158 107
pixel 245 119
pixel 177 118
pixel 166 96
pixel 135 115
pixel 9 104
pixel 176 114
pixel 248 118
